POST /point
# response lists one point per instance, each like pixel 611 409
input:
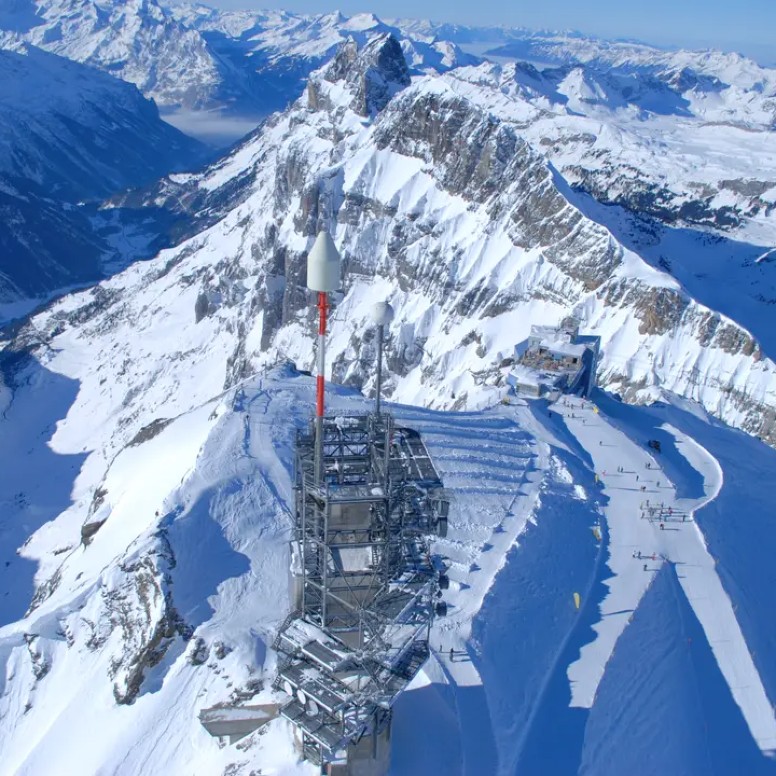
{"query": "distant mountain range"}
pixel 193 57
pixel 252 63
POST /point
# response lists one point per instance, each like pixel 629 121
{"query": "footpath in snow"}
pixel 648 525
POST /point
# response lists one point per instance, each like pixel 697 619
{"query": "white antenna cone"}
pixel 324 265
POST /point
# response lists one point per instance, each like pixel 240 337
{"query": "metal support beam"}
pixel 380 334
pixel 319 401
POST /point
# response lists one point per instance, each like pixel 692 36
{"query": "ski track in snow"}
pixel 680 541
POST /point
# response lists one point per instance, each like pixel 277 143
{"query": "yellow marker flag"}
pixel 576 600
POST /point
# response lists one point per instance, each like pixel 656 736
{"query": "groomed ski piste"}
pixel 667 666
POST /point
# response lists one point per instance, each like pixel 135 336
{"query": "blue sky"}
pixel 742 25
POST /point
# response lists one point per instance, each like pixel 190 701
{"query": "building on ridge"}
pixel 555 360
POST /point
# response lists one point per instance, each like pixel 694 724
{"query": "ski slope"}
pixel 647 517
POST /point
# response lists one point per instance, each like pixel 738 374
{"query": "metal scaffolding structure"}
pixel 365 585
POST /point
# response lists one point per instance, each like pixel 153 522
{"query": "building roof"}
pixel 563 348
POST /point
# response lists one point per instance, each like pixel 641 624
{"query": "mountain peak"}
pixel 376 72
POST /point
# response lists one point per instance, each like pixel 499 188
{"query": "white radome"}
pixel 324 265
pixel 382 314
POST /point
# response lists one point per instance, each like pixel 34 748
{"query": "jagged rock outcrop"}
pixel 139 606
pixel 373 75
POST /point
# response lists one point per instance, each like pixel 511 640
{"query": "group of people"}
pixel 653 557
pixel 661 513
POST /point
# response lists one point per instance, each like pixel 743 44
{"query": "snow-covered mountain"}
pixel 137 41
pixel 254 62
pixel 69 135
pixel 147 572
pixel 73 132
pixel 445 209
pixel 471 229
pixel 171 603
pixel 694 198
pixel 714 85
pixel 197 58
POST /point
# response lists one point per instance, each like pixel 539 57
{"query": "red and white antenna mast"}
pixel 324 269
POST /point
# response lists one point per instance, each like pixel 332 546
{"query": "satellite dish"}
pixel 288 687
pixel 324 265
pixel 301 697
pixel 382 314
pixel 312 708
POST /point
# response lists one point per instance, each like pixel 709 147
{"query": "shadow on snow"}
pixel 36 483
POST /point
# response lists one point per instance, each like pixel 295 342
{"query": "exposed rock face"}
pixel 609 186
pixel 373 74
pixel 382 72
pixel 603 120
pixel 140 607
pixel 445 209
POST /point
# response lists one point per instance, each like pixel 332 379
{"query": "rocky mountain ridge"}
pixel 446 210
